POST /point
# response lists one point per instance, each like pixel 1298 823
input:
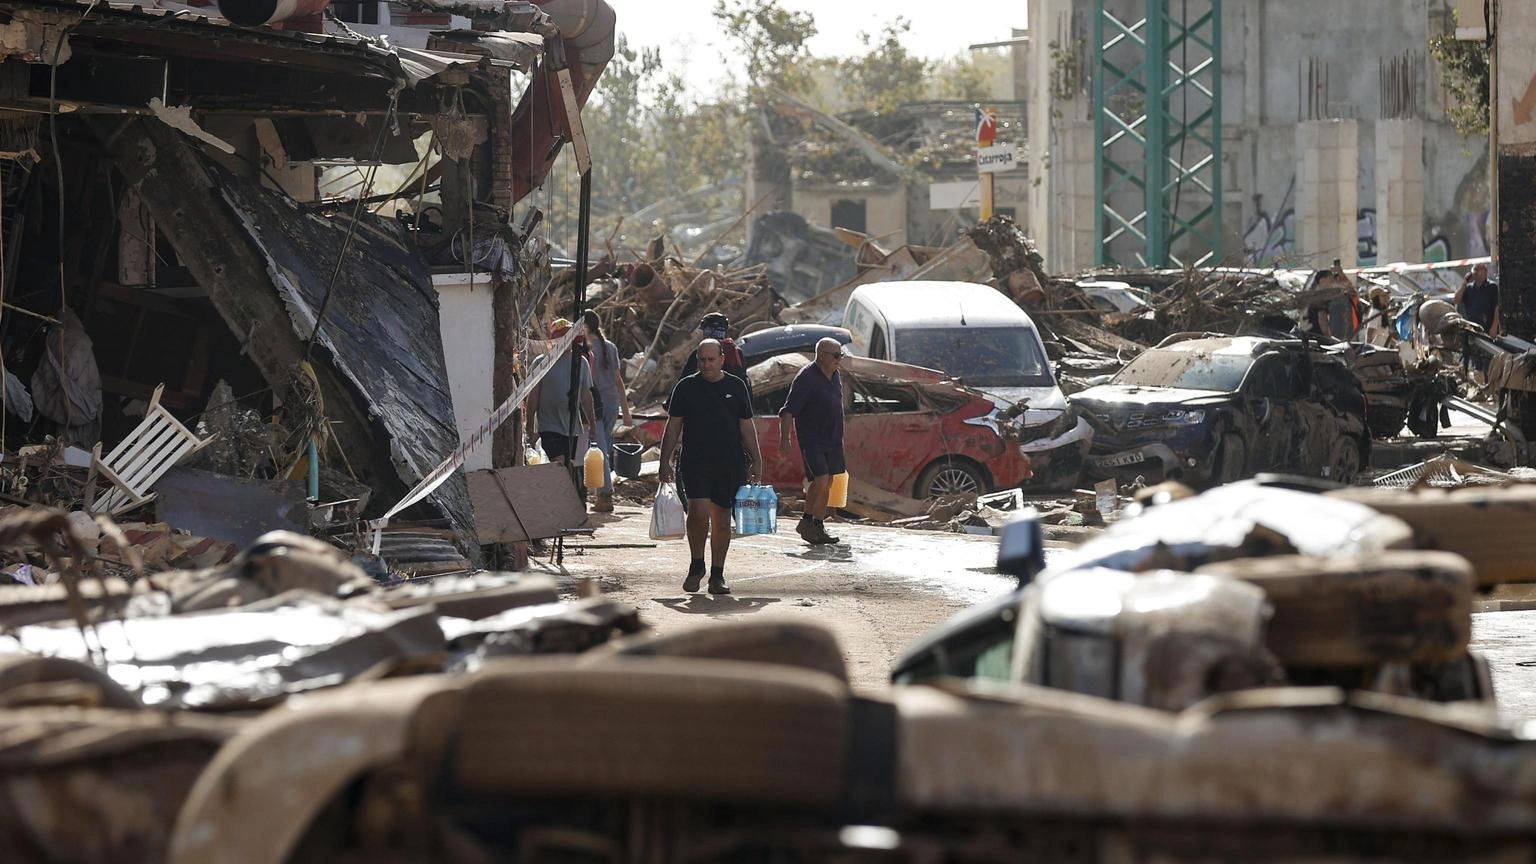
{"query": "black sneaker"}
pixel 717 585
pixel 695 576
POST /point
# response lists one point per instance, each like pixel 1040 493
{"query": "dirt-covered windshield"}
pixel 1189 370
pixel 979 356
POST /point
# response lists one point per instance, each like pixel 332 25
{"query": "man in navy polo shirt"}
pixel 815 402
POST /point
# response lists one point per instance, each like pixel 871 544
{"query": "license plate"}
pixel 1118 461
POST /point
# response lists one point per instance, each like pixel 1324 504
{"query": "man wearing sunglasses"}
pixel 815 403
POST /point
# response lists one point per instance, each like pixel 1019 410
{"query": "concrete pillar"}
pixel 1327 196
pixel 1399 191
pixel 1069 219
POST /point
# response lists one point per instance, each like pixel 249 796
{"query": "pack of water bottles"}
pixel 756 511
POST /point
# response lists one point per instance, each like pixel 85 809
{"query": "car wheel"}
pixel 951 477
pixel 1345 463
pixel 1233 460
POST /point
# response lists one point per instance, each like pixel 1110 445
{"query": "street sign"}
pixel 957 195
pixel 1002 157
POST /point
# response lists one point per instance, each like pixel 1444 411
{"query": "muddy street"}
pixel 877 590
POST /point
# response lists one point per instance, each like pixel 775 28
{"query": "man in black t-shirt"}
pixel 712 413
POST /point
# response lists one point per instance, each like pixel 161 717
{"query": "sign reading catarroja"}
pixel 1002 157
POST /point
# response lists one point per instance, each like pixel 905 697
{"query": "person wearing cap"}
pixel 815 403
pixel 714 326
pixel 549 409
pixel 711 415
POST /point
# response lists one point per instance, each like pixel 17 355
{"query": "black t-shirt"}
pixel 1481 301
pixel 732 366
pixel 712 415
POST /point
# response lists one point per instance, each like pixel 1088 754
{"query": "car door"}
pixel 889 435
pixel 1267 397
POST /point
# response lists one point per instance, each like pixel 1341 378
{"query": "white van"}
pixel 978 335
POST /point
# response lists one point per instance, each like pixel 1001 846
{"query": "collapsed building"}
pixel 176 223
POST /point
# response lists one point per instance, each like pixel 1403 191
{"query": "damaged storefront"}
pixel 232 236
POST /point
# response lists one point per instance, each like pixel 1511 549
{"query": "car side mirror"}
pixel 1021 549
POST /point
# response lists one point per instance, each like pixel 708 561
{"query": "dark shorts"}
pixel 821 461
pixel 556 446
pixel 718 484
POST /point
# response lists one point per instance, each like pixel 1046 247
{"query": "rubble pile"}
pixel 655 308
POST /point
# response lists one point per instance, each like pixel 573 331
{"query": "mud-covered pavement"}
pixel 881 588
pixel 877 590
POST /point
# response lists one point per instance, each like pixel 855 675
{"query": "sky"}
pixel 686 32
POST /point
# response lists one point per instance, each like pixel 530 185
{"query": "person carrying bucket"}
pixel 815 402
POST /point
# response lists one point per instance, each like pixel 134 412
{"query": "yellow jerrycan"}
pixel 838 495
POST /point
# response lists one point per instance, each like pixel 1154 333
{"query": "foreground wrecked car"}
pixel 1246 586
pixel 1207 409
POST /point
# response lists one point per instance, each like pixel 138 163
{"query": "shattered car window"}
pixel 1189 370
pixel 980 356
pixel 875 397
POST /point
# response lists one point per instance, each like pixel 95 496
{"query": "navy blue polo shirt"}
pixel 816 403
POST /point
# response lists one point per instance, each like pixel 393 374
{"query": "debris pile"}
pixel 653 310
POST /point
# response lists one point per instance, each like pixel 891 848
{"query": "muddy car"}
pixel 1209 409
pixel 906 429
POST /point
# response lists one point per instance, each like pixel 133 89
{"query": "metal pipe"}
pixel 583 228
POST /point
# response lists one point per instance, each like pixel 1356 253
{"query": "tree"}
pixel 974 76
pixel 772 40
pixel 887 74
pixel 1464 71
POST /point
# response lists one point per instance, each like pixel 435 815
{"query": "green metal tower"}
pixel 1157 121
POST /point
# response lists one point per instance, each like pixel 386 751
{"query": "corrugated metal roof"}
pixel 411 65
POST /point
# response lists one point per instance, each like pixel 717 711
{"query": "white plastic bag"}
pixel 669 520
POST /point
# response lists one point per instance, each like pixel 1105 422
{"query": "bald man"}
pixel 815 404
pixel 711 413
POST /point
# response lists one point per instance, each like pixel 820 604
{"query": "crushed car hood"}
pixel 1125 394
pixel 1045 403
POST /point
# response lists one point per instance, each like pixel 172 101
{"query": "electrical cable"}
pixel 357 212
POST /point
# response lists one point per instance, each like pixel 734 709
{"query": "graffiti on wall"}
pixel 1270 237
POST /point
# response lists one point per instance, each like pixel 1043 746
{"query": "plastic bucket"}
pixel 626 459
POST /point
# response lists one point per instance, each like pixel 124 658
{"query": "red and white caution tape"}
pixel 1401 267
pixel 536 372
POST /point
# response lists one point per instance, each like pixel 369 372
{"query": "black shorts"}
pixel 821 461
pixel 556 446
pixel 717 483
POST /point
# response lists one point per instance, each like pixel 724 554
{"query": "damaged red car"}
pixel 906 429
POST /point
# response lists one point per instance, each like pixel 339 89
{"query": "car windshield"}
pixel 979 356
pixel 1189 370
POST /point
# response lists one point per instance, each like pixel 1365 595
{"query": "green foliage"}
pixel 1068 68
pixel 668 160
pixel 650 144
pixel 974 76
pixel 771 40
pixel 887 74
pixel 1464 72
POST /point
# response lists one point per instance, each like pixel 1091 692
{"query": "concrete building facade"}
pixel 1409 164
